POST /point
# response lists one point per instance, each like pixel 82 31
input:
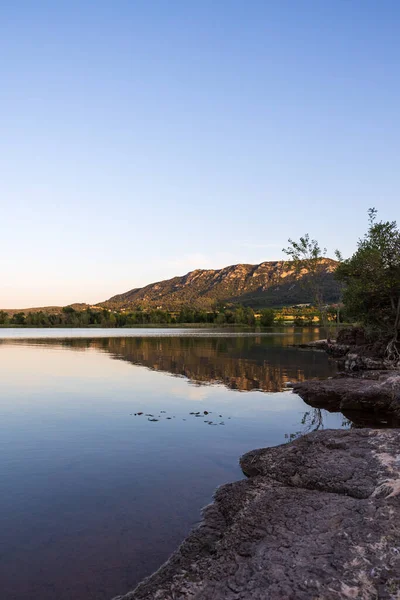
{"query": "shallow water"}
pixel 94 498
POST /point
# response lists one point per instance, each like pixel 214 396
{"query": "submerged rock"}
pixel 318 518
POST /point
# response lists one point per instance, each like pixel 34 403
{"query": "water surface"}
pixel 94 498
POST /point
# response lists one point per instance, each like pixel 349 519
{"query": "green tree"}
pixel 220 318
pixel 240 315
pixel 307 257
pixel 37 319
pixel 267 317
pixel 112 320
pixel 186 315
pixel 18 318
pixel 3 317
pixel 372 281
pixel 250 316
pixel 69 316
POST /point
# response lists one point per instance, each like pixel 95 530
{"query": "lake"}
pixel 95 496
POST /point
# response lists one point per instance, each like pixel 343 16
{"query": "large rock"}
pixel 356 361
pixel 353 350
pixel 372 394
pixel 352 336
pixel 317 519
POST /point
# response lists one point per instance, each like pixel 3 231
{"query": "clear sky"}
pixel 143 139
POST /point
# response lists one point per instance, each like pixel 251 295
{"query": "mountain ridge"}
pixel 270 283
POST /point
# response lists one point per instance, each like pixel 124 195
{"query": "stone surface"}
pixel 354 361
pixel 318 518
pixel 315 345
pixel 353 351
pixel 374 394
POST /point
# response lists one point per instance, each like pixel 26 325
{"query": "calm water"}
pixel 94 498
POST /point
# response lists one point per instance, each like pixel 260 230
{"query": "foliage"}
pixel 336 313
pixel 3 317
pixel 309 261
pixel 267 317
pixel 18 318
pixel 299 315
pixel 102 317
pixel 372 280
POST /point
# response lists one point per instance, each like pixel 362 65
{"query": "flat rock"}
pixel 317 519
pixel 315 345
pixel 374 393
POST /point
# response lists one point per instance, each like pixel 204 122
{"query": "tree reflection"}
pixel 238 363
pixel 313 420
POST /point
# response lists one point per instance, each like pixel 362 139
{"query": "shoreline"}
pixel 318 517
pixel 315 518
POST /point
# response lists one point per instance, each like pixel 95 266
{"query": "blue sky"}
pixel 143 139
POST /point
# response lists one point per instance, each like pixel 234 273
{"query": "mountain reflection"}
pixel 239 363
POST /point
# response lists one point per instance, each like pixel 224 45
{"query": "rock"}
pixel 352 336
pixel 357 362
pixel 374 394
pixel 337 350
pixel 353 350
pixel 318 518
pixel 315 345
pixel 288 384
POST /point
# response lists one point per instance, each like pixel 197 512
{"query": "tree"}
pixel 250 316
pixel 3 317
pixel 267 317
pixel 240 315
pixel 18 318
pixel 372 280
pixel 37 319
pixel 308 259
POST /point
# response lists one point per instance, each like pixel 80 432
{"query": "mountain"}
pixel 267 284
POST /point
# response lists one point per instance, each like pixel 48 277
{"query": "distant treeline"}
pixel 97 317
pixel 69 317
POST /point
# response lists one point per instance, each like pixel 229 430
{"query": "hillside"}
pixel 50 310
pixel 263 285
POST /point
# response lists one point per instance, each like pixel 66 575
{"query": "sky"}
pixel 142 139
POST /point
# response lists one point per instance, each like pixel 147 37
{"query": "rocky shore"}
pixel 366 398
pixel 367 391
pixel 316 519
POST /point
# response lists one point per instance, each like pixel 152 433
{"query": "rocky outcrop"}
pixel 353 351
pixel 274 283
pixel 372 394
pixel 318 518
pixel 356 361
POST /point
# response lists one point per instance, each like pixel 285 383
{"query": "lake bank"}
pixel 318 517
